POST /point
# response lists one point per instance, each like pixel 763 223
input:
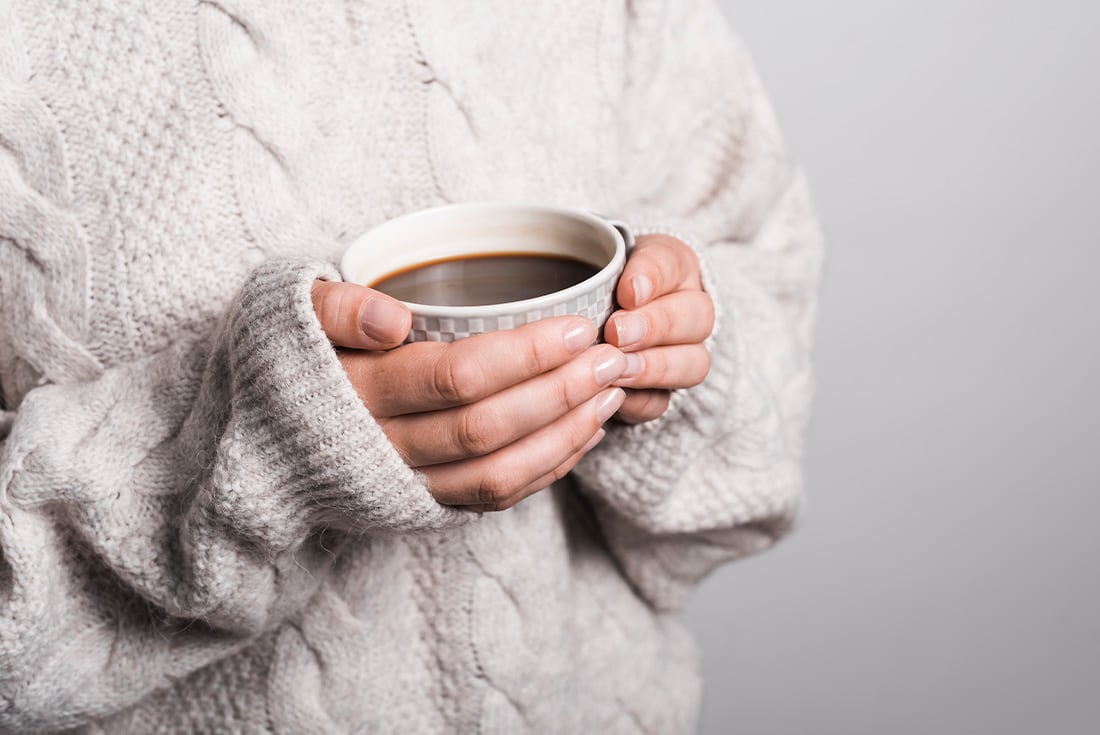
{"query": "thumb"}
pixel 359 317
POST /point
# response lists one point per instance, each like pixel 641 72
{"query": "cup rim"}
pixel 609 271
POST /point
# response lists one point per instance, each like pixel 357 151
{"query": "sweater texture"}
pixel 202 528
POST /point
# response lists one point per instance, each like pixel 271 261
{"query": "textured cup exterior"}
pixel 438 231
pixel 595 304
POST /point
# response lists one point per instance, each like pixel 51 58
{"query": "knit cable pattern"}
pixel 43 250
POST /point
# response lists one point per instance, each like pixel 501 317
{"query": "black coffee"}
pixel 493 278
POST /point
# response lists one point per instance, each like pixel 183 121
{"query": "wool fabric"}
pixel 202 528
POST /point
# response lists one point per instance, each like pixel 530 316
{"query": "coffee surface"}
pixel 493 278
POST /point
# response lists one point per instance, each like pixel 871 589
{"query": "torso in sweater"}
pixel 188 142
pixel 153 154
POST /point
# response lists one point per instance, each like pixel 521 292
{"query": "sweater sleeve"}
pixel 718 476
pixel 166 512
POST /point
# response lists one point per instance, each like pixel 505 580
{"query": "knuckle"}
pixel 444 380
pixel 488 490
pixel 651 267
pixel 663 324
pixel 679 251
pixel 532 356
pixel 565 394
pixel 477 432
pixel 504 504
pixel 495 488
pixel 537 354
pixel 708 314
pixel 455 381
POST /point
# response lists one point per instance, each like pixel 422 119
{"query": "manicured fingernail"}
pixel 381 319
pixel 609 403
pixel 635 364
pixel 580 336
pixel 643 287
pixel 596 439
pixel 610 368
pixel 630 328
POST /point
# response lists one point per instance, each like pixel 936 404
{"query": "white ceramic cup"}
pixel 480 228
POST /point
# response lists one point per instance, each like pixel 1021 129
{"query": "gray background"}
pixel 944 579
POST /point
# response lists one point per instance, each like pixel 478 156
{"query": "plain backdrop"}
pixel 945 575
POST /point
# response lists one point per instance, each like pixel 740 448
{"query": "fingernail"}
pixel 643 287
pixel 596 439
pixel 580 336
pixel 381 319
pixel 610 368
pixel 635 364
pixel 630 328
pixel 609 403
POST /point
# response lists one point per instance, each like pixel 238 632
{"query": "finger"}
pixel 359 317
pixel 680 318
pixel 658 265
pixel 498 478
pixel 494 422
pixel 430 376
pixel 643 405
pixel 678 366
pixel 545 481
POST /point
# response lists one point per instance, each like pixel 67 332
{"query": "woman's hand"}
pixel 665 318
pixel 489 419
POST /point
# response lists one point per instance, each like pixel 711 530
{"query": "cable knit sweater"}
pixel 202 529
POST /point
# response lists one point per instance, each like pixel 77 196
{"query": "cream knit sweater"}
pixel 201 528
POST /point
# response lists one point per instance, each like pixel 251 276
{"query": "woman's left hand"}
pixel 664 319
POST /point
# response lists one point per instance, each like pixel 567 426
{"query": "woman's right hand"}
pixel 489 419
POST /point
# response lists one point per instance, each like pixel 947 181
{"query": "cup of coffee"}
pixel 465 269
